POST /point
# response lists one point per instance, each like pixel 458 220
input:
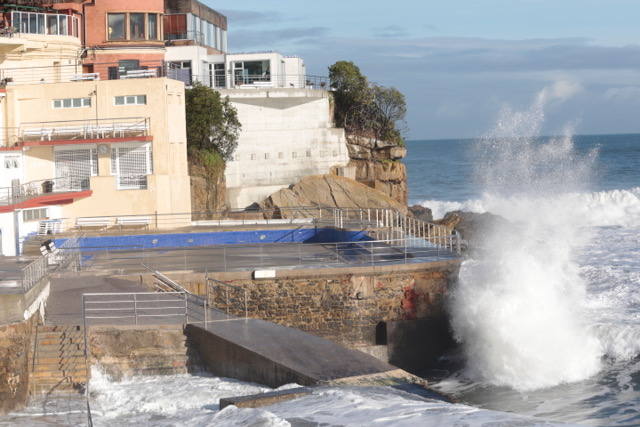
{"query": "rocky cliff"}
pixel 378 165
pixel 208 188
pixel 331 191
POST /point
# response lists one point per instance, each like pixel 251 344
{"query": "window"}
pixel 281 155
pixel 153 26
pixel 131 164
pixel 266 156
pixel 78 165
pixel 253 156
pixel 116 26
pixel 44 23
pixel 136 26
pixel 308 153
pixel 294 155
pixel 34 214
pixel 131 100
pixel 72 103
pixel 11 162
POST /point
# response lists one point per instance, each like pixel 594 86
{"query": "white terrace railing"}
pixel 22 192
pixel 121 127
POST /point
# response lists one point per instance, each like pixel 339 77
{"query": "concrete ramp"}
pixel 266 353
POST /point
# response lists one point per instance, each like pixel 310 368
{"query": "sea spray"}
pixel 518 310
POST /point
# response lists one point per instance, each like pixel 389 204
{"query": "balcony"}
pixel 45 192
pixel 122 70
pixel 81 131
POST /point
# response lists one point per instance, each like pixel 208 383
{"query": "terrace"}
pixel 36 21
pixel 79 131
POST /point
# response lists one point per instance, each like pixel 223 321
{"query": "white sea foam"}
pixel 520 310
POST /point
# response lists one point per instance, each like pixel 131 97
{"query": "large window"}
pixel 131 164
pixel 116 26
pixel 45 23
pixel 133 26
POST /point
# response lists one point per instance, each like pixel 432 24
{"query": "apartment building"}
pixel 103 138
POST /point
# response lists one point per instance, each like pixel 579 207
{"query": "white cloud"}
pixel 626 93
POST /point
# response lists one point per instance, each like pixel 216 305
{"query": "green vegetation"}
pixel 212 126
pixel 366 109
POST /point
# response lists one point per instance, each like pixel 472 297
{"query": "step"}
pixel 59 374
pixel 43 360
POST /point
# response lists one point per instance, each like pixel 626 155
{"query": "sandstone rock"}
pixel 421 213
pixel 329 190
pixel 390 171
pixel 208 193
pixel 359 152
pixel 390 153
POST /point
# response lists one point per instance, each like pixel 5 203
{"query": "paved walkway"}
pixel 64 306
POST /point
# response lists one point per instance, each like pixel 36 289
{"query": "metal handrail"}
pixel 29 190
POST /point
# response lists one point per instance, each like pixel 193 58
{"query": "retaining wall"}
pixel 15 354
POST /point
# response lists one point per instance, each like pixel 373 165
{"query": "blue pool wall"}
pixel 185 240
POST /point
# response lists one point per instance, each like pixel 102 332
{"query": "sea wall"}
pixel 15 354
pixel 357 307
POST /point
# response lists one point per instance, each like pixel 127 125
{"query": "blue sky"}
pixel 459 62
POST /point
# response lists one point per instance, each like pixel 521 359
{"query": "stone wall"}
pixel 15 354
pixel 126 351
pixel 348 308
pixel 378 166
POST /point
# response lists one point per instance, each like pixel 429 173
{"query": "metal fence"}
pixel 33 273
pixel 22 192
pixel 135 308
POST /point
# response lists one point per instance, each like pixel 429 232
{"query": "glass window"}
pixel 131 99
pixel 33 23
pixel 119 100
pixel 52 24
pixel 141 99
pixel 116 26
pixel 67 103
pixel 63 26
pixel 136 26
pixel 57 103
pixel 41 24
pixel 72 103
pixel 153 26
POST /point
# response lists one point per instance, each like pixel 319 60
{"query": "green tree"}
pixel 212 122
pixel 363 108
pixel 391 109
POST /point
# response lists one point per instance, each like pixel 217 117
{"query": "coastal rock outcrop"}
pixel 208 189
pixel 332 191
pixel 377 165
pixel 421 213
pixel 473 227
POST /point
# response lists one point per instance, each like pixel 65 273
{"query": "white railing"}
pixel 33 273
pixel 135 308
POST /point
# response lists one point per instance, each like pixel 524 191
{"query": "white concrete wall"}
pixel 287 134
pixel 295 72
pixel 7 234
pixel 8 171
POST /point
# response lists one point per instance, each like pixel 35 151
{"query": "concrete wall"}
pixel 286 134
pixel 224 358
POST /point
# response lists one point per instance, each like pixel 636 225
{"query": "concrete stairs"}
pixel 58 364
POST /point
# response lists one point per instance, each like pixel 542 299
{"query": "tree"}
pixel 391 108
pixel 212 122
pixel 351 93
pixel 365 109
